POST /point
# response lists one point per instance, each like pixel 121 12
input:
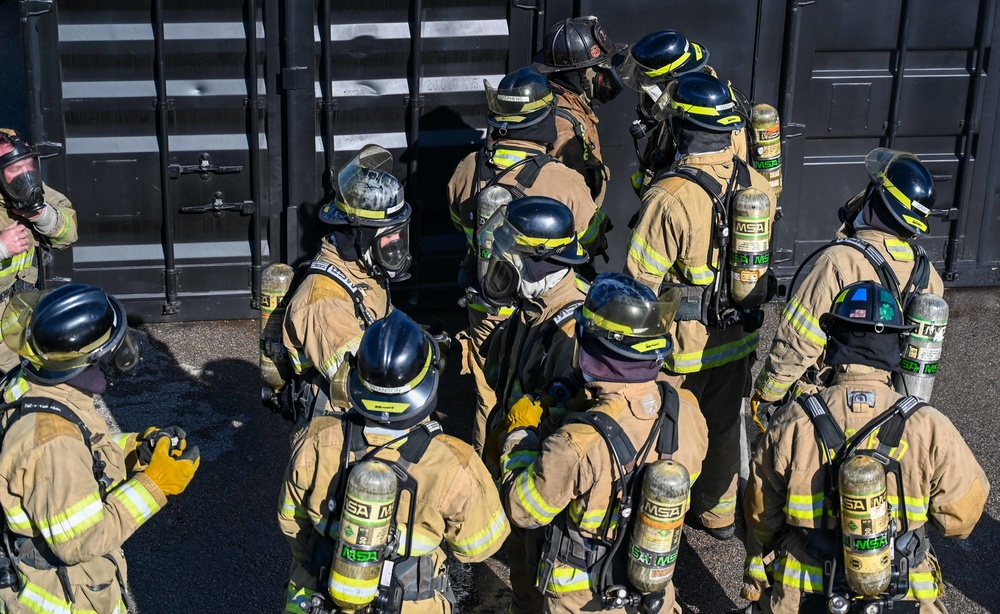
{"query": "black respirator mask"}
pixel 20 180
pixel 124 360
pixel 390 251
pixel 606 84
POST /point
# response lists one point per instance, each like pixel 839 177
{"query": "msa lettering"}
pixel 855 505
pixel 872 543
pixel 662 512
pixel 359 509
pixel 359 556
pixel 751 228
pixel 931 369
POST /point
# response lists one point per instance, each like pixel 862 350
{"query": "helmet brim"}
pixel 515 122
pixel 330 214
pixel 538 61
pixel 397 410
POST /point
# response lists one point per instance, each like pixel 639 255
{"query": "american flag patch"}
pixel 858 313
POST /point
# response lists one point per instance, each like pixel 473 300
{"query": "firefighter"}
pixel 656 60
pixel 533 253
pixel 67 496
pixel 393 390
pixel 570 480
pixel 346 287
pixel 579 58
pixel 676 242
pixel 33 215
pixel 516 156
pixel 790 498
pixel 882 219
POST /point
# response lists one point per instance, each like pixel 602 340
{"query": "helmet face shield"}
pixel 367 192
pixel 16 316
pixel 629 316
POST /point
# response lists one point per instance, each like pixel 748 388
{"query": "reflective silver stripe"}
pixel 133 252
pixel 397 140
pixel 428 85
pixel 147 88
pixel 429 29
pixel 78 33
pixel 148 144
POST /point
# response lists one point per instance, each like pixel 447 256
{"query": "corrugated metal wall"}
pixel 138 113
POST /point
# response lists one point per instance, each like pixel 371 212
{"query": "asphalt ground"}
pixel 217 548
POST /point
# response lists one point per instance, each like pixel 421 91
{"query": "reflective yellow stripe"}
pixel 423 543
pixel 753 566
pixel 899 250
pixel 121 440
pixel 591 233
pixel 656 72
pixel 503 158
pixel 698 275
pixel 568 580
pixel 692 362
pixel 64 229
pixel 916 507
pixel 803 577
pixel 16 389
pixel 693 108
pixel 292 510
pixel 332 364
pixel 352 591
pixel 537 241
pixel 73 521
pixel 647 257
pixel 17 519
pixel 17 262
pixel 484 539
pixel 804 322
pixel 806 507
pixel 138 501
pixel 923 585
pixel 502 311
pixel 605 323
pixel 592 520
pixel 772 387
pixel 719 506
pixel 300 363
pixel 517 461
pixel 531 500
pixel 39 600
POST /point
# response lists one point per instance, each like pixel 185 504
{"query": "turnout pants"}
pixel 720 393
pixel 481 324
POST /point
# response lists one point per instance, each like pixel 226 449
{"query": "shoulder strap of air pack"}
pixel 887 278
pixel 920 277
pixel 612 432
pixel 330 271
pixel 828 431
pixel 890 425
pixel 529 171
pixel 545 337
pixel 578 130
pixel 418 440
pixel 41 405
pixel 669 421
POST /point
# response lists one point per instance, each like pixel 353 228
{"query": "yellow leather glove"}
pixel 760 411
pixel 172 471
pixel 525 413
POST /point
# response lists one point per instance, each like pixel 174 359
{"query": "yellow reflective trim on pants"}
pixel 804 506
pixel 719 506
pixel 900 250
pixel 923 585
pixel 803 321
pixel 700 275
pixel 647 257
pixel 39 600
pixel 297 599
pixel 692 362
pixel 795 574
pixel 531 500
pixel 484 539
pixel 568 580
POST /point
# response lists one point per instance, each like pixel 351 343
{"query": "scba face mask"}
pixel 607 84
pixel 20 180
pixel 390 251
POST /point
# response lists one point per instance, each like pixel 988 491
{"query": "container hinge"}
pixel 786 130
pixel 296 78
pixel 949 214
pixel 204 167
pixel 782 254
pixel 261 103
pixel 168 103
pixel 49 149
pixel 413 102
pixel 34 8
pixel 527 5
pixel 321 105
pixel 218 206
pixel 973 126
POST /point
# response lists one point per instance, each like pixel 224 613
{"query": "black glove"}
pixel 147 441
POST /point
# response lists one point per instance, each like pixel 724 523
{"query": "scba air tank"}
pixel 656 529
pixel 864 522
pixel 365 520
pixel 488 202
pixel 928 314
pixel 766 154
pixel 750 248
pixel 274 284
